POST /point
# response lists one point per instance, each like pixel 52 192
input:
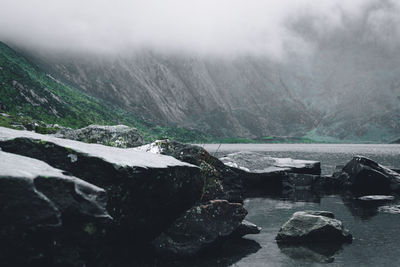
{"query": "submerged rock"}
pixel 146 192
pixel 299 181
pixel 220 181
pixel 376 198
pixel 118 135
pixel 313 226
pixel 395 209
pixel 199 227
pixel 47 215
pixel 364 176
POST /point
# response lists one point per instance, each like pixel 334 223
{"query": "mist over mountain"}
pixel 326 70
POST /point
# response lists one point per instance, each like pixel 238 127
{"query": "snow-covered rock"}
pixel 146 191
pixel 46 214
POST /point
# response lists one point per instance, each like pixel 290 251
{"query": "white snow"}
pixel 116 156
pixel 154 147
pixel 12 165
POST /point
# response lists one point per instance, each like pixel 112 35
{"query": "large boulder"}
pixel 220 181
pixel 313 226
pixel 47 216
pixel 364 176
pixel 117 135
pixel 257 162
pixel 146 192
pixel 199 227
pixel 263 174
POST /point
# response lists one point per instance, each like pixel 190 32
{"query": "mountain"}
pixel 344 87
pixel 240 97
pixel 342 93
pixel 27 94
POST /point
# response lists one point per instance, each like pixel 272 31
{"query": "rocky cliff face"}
pixel 346 91
pixel 224 97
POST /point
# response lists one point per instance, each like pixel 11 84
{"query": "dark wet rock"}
pixel 327 184
pixel 299 181
pixel 220 181
pixel 117 135
pixel 259 183
pixel 313 226
pixel 299 195
pixel 200 227
pixel 376 198
pixel 246 228
pixel 257 162
pixel 146 192
pixel 396 170
pixel 263 174
pixel 364 176
pixel 394 209
pixel 308 252
pixel 47 216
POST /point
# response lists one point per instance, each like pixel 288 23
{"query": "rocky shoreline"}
pixel 70 203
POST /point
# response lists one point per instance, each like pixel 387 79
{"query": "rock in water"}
pixel 263 174
pixel 377 198
pixel 221 182
pixel 313 226
pixel 199 227
pixel 256 162
pixel 117 135
pixel 45 214
pixel 246 228
pixel 146 192
pixel 364 176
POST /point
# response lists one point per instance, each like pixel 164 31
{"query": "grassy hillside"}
pixel 29 94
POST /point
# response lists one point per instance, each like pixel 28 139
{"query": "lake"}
pixel 376 234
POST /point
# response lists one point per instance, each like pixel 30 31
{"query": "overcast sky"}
pixel 202 26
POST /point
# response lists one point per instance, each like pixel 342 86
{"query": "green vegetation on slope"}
pixel 29 95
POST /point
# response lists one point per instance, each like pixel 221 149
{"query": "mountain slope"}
pixel 241 97
pixel 25 90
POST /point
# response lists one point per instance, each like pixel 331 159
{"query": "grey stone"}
pixel 118 135
pixel 246 228
pixel 200 227
pixel 313 226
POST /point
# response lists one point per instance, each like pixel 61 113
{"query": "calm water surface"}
pixel 330 155
pixel 376 234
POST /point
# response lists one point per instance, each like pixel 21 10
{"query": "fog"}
pixel 222 27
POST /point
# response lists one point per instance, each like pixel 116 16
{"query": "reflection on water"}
pixel 311 252
pixel 375 234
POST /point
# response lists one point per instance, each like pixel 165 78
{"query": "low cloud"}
pixel 216 27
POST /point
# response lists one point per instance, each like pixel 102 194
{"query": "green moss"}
pixel 89 228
